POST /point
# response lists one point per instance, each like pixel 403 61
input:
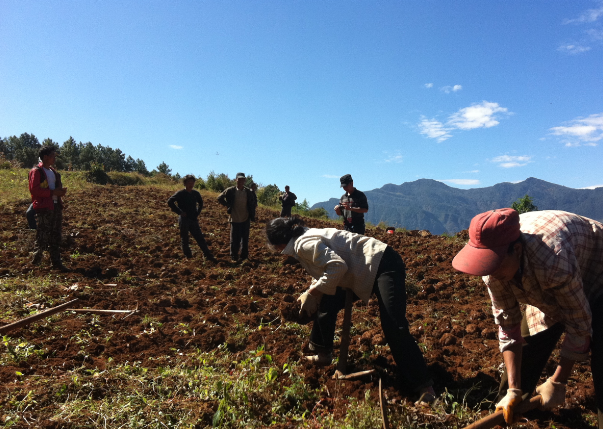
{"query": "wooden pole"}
pixel 345 335
pixel 23 322
pixel 383 407
pixel 497 418
pixel 98 311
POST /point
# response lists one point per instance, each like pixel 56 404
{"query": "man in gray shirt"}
pixel 240 204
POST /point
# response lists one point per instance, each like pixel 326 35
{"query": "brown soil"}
pixel 139 264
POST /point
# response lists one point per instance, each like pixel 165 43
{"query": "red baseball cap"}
pixel 490 234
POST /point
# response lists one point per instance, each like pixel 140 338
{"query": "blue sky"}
pixel 472 93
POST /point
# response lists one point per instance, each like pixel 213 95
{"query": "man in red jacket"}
pixel 46 191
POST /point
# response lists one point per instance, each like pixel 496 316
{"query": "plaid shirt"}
pixel 338 258
pixel 562 271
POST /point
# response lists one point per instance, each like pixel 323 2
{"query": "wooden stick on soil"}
pixel 497 418
pixel 97 311
pixel 23 322
pixel 383 407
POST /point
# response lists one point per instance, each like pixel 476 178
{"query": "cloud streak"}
pixel 449 89
pixel 479 115
pixel 173 146
pixel 581 131
pixel 573 49
pixel 395 158
pixel 509 161
pixel 590 15
pixel 434 129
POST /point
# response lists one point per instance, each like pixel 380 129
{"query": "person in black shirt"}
pixel 287 201
pixel 187 203
pixel 352 206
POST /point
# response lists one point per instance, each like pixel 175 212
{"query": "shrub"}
pixel 125 179
pixel 97 174
pixel 218 183
pixel 268 195
pixel 524 205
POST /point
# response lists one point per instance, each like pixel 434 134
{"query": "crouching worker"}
pixel 187 203
pixel 552 261
pixel 341 259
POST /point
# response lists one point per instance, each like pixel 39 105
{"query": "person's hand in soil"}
pixel 309 303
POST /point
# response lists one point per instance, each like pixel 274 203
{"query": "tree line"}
pixel 22 152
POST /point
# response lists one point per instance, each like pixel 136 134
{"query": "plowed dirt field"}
pixel 122 246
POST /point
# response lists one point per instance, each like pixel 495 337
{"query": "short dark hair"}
pixel 283 229
pixel 187 178
pixel 45 151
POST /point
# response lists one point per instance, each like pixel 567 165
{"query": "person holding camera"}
pixel 287 201
pixel 352 206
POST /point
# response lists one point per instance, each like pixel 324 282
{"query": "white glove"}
pixel 508 403
pixel 552 393
pixel 309 303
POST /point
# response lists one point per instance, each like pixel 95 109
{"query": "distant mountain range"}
pixel 427 204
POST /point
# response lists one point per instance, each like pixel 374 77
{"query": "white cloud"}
pixel 478 115
pixel 434 129
pixel 394 158
pixel 482 115
pixel 173 146
pixel 590 15
pixel 592 187
pixel 573 49
pixel 581 131
pixel 449 89
pixel 429 85
pixel 509 161
pixel 462 181
pixel 330 176
pixel 595 34
pixel 471 171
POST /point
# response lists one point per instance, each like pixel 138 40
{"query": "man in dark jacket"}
pixel 187 203
pixel 46 191
pixel 352 206
pixel 240 203
pixel 287 201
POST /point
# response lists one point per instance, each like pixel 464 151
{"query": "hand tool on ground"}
pixel 497 418
pixel 342 364
pixel 31 319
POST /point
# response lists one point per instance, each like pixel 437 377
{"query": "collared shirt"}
pixel 338 258
pixel 239 208
pixel 562 271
